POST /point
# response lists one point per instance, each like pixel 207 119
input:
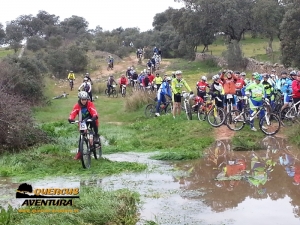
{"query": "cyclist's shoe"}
pixel 253 129
pixel 78 155
pixel 157 114
pixel 96 139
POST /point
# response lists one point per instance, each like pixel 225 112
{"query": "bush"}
pixel 137 100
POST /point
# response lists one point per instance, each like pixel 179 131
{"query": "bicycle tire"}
pixel 288 115
pixel 150 110
pixel 216 121
pixel 124 93
pixel 274 122
pixel 188 111
pixel 232 120
pixel 114 93
pixel 106 92
pixel 201 114
pixel 86 162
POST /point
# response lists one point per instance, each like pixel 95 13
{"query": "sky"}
pixel 109 14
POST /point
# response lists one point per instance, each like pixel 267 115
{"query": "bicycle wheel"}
pixel 286 116
pixel 216 116
pixel 150 110
pixel 114 93
pixel 93 150
pixel 85 153
pixel 201 114
pixel 270 124
pixel 123 92
pixel 235 120
pixel 106 92
pixel 188 111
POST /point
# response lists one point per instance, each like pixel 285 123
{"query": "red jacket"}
pixel 202 85
pixel 229 84
pixel 151 77
pixel 240 83
pixel 123 80
pixel 296 88
pixel 90 107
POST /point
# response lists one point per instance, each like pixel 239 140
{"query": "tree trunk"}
pixel 270 43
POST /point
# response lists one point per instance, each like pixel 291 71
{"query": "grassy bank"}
pixel 111 207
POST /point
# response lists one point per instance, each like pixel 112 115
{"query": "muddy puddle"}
pixel 225 187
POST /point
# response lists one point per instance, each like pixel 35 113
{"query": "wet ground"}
pixel 225 187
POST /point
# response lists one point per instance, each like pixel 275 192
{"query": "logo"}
pixel 39 196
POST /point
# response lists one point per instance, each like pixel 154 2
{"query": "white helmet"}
pixel 145 70
pixel 168 78
pixel 204 78
pixel 178 72
pixel 85 79
pixel 83 95
pixel 128 67
pixel 215 77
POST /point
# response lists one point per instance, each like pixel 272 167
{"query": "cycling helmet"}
pixel 254 74
pixel 215 77
pixel 265 75
pixel 71 71
pixel 178 72
pixel 85 79
pixel 237 72
pixel 273 70
pixel 283 72
pixel 128 68
pixel 204 78
pixel 83 95
pixel 168 79
pixel 293 73
pixel 258 77
pixel 243 74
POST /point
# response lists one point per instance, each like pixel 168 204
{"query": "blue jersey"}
pixel 285 85
pixel 165 88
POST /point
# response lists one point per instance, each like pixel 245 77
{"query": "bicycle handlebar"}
pixel 86 120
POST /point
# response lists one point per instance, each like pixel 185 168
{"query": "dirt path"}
pixel 223 132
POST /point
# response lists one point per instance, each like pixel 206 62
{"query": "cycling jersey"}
pixel 296 89
pixel 257 91
pixel 178 84
pixel 202 85
pixel 71 76
pixel 157 80
pixel 285 85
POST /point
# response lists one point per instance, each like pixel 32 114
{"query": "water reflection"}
pixel 228 177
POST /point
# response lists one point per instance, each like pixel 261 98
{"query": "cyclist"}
pixel 165 89
pixel 239 85
pixel 229 87
pixel 268 88
pixel 201 87
pixel 257 92
pixel 158 81
pixel 86 110
pixel 284 84
pixel 216 90
pixel 87 87
pixel 111 61
pixel 109 83
pixel 71 75
pixel 123 81
pixel 243 76
pixel 296 90
pixel 177 85
pixel 87 75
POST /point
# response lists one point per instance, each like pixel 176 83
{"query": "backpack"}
pixel 86 87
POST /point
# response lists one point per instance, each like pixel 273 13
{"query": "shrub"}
pixel 137 100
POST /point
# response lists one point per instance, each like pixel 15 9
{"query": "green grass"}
pixel 4 52
pixel 251 47
pixel 95 206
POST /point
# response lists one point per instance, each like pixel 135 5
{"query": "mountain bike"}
pixel 204 108
pixel 109 66
pixel 186 104
pixel 269 124
pixel 71 84
pixel 87 143
pixel 112 92
pixel 290 115
pixel 216 115
pixel 150 109
pixel 123 90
